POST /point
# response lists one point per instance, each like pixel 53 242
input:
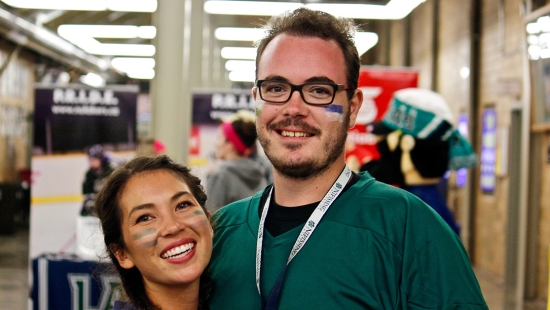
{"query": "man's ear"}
pixel 354 106
pixel 254 92
pixel 123 259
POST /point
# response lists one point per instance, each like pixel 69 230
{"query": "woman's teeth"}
pixel 179 251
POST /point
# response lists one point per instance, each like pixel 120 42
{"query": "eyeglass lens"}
pixel 280 92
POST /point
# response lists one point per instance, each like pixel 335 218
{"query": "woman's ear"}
pixel 210 222
pixel 123 259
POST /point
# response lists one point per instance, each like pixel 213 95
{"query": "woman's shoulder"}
pixel 123 305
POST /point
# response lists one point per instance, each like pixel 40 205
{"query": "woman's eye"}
pixel 183 205
pixel 143 218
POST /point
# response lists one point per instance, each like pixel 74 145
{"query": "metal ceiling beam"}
pixel 43 41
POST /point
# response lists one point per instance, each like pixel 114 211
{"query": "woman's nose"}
pixel 171 225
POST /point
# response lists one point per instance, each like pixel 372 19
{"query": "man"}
pixel 323 237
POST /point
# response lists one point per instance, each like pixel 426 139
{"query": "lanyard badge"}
pixel 309 227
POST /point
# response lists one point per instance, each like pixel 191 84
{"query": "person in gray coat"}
pixel 238 173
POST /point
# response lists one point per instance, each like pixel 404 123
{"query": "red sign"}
pixel 378 85
pixel 194 142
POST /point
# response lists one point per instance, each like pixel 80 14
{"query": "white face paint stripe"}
pixel 335 112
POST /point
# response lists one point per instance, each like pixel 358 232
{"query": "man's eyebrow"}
pixel 322 79
pixel 276 78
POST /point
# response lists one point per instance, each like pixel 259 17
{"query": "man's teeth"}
pixel 294 134
pixel 179 251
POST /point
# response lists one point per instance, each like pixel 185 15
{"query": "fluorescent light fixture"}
pixel 141 74
pixel 238 53
pixel 533 39
pixel 464 72
pixel 242 76
pixel 108 31
pixel 364 41
pixel 92 79
pixel 86 5
pixel 233 65
pixel 532 28
pixel 545 53
pixel 238 33
pixel 140 50
pixel 395 9
pixel 534 52
pixel 136 68
pixel 544 23
pixel 83 37
pixel 128 63
pixel 249 7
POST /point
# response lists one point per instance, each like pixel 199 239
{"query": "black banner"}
pixel 71 118
pixel 212 107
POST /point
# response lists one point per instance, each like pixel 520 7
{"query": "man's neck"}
pixel 293 192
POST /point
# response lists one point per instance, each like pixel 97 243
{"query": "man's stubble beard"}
pixel 310 168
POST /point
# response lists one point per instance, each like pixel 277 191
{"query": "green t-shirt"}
pixel 377 247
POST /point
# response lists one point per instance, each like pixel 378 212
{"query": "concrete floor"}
pixel 14 287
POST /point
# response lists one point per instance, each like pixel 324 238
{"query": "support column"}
pixel 178 71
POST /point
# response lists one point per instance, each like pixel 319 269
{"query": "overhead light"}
pixel 242 76
pixel 533 28
pixel 238 52
pixel 142 74
pixel 249 7
pixel 92 79
pixel 238 33
pixel 108 31
pixel 232 65
pixel 128 63
pixel 140 50
pixel 136 68
pixel 364 41
pixel 395 9
pixel 86 5
pixel 83 37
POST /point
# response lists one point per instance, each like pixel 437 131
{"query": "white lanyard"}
pixel 310 225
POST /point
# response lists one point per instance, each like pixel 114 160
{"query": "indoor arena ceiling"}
pixel 39 29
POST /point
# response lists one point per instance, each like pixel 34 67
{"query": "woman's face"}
pixel 167 234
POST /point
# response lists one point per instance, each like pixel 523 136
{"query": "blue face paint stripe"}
pixel 334 108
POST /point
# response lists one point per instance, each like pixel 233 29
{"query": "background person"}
pixel 323 237
pixel 158 234
pixel 239 171
pixel 100 168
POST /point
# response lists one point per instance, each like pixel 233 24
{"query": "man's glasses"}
pixel 318 93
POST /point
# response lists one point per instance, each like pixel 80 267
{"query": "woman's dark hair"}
pixel 304 22
pixel 110 215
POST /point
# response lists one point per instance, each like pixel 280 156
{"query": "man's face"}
pixel 303 140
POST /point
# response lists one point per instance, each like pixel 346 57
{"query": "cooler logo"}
pixel 81 291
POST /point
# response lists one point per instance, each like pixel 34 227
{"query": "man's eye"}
pixel 320 91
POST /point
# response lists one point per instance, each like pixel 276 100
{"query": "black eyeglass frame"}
pixel 293 87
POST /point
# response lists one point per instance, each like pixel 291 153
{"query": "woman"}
pixel 240 171
pixel 158 234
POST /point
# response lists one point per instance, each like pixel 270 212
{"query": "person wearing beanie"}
pixel 99 169
pixel 237 173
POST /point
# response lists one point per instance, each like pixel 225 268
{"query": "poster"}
pixel 488 156
pixel 378 85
